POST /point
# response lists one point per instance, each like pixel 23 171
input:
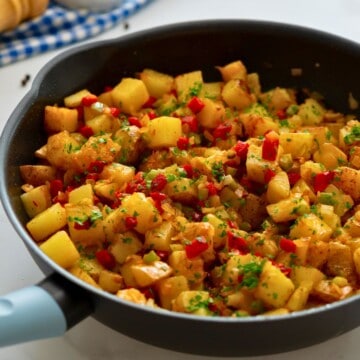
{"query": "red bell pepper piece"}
pixel 134 120
pixel 241 149
pixel 106 259
pixel 212 190
pixel 287 245
pixel 86 131
pixel 270 146
pixel 96 166
pixel 195 104
pixel 222 131
pixel 88 100
pixel 237 243
pixel 191 122
pixel 322 180
pixel 196 247
pixel 293 177
pixel 158 182
pixel 268 175
pixel 130 222
pixel 56 186
pixel 183 143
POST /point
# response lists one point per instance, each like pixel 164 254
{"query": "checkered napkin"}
pixel 59 27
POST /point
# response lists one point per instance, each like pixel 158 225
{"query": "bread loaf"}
pixel 13 12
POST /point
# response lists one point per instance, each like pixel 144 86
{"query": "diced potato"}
pixel 133 295
pixel 327 291
pixel 212 114
pixel 340 261
pixel 236 95
pixel 74 100
pixel 126 270
pixel 299 145
pixel 276 99
pixel 311 112
pixel 278 188
pixel 159 238
pixel 97 147
pixel 300 274
pixel 211 91
pixel 157 83
pixel 61 148
pixel 318 253
pixel 83 275
pixel 348 180
pixel 163 131
pixel 288 209
pixel 61 249
pixel 356 258
pixel 326 213
pixel 80 193
pixel 192 301
pixel 149 274
pixel 309 169
pixel 130 95
pixel 322 134
pixel 85 223
pixel 124 245
pixel 256 124
pixel 58 119
pixel 118 173
pixel 182 189
pixel 110 281
pixel 103 123
pixel 90 265
pixel 303 188
pixel 138 205
pixel 192 269
pixel 47 223
pixel 274 288
pixel 300 296
pixel 309 225
pixel 36 200
pixel 188 85
pixel 220 227
pixel 169 288
pixel 253 81
pixel 37 175
pixel 233 70
pixel 330 156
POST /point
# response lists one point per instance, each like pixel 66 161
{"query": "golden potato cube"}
pixel 74 100
pixel 48 222
pixel 348 180
pixel 83 275
pixel 163 131
pixel 36 200
pixel 188 85
pixel 300 296
pixel 311 112
pixel 157 83
pixel 299 145
pixel 130 95
pixel 85 223
pixel 118 173
pixel 330 156
pixel 192 301
pixel 340 261
pixel 110 281
pixel 276 99
pixel 274 288
pixel 220 230
pixel 299 274
pixel 309 225
pixel 182 189
pixel 159 238
pixel 61 249
pixel 80 193
pixel 124 245
pixel 211 91
pixel 278 188
pixel 233 70
pixel 212 114
pixel 356 259
pixel 58 119
pixel 310 168
pixel 149 274
pixel 253 81
pixel 257 125
pixel 138 205
pixel 133 295
pixel 103 123
pixel 317 253
pixel 37 175
pixel 126 270
pixel 168 289
pixel 236 95
pixel 90 265
pixel 288 209
pixel 326 213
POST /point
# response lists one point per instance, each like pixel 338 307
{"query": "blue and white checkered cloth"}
pixel 59 27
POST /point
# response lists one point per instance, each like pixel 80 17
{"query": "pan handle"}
pixel 45 310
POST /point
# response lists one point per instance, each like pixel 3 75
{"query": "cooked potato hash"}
pixel 207 198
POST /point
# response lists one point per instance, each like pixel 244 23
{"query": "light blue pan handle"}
pixel 29 314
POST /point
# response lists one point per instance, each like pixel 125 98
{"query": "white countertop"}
pixel 90 339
